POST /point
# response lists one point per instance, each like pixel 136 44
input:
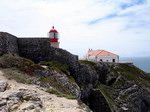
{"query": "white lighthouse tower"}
pixel 53 35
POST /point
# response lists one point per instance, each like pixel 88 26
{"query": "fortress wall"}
pixel 39 49
pixel 35 49
pixel 66 57
pixel 8 43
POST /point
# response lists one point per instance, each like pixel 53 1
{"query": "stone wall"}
pixel 37 49
pixel 8 43
pixel 66 57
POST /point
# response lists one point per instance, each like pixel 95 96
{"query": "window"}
pixel 107 60
pixel 113 60
pixel 101 60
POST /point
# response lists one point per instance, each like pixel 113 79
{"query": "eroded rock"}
pixel 23 99
pixel 3 85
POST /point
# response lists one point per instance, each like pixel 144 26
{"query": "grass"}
pixel 54 91
pixel 60 94
pixel 8 61
pixel 107 92
pixel 130 72
pixel 55 65
pixel 19 76
pixel 30 70
pixel 52 82
pixel 59 67
pixel 22 64
pixel 59 90
pixel 87 62
pixel 19 68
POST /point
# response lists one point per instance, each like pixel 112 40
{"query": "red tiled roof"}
pixel 100 53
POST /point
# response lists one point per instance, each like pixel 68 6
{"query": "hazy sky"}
pixel 119 26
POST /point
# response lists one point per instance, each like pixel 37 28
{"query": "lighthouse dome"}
pixel 53 30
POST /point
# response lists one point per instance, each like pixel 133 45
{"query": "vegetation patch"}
pixel 24 71
pixel 22 64
pixel 87 62
pixel 129 72
pixel 19 76
pixel 55 65
pixel 107 92
pixel 30 70
pixel 8 61
pixel 59 67
pixel 60 94
pixel 59 90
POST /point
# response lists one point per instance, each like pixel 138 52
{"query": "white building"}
pixel 101 56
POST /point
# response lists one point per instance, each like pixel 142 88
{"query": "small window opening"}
pixel 113 60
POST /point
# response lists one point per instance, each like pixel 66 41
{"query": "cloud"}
pixel 115 25
pixel 130 3
pixel 110 16
pixel 119 7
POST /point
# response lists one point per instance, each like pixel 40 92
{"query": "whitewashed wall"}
pixel 55 44
pixel 104 58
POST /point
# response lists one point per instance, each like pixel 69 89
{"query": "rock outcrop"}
pixel 90 73
pixel 62 79
pixel 3 85
pixel 21 100
pixel 114 87
pixel 32 98
pixel 101 86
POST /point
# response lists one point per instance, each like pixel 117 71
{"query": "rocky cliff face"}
pixel 38 89
pixel 119 87
pixel 103 87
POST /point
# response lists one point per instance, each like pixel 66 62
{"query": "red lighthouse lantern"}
pixel 53 35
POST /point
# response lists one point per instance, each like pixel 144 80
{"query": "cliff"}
pixel 29 87
pixel 103 87
pixel 125 87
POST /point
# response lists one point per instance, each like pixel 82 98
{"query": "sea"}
pixel 141 62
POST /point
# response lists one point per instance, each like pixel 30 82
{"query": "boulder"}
pixel 3 85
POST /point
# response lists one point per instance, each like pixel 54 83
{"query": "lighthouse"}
pixel 53 35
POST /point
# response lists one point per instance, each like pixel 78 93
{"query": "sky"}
pixel 118 26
